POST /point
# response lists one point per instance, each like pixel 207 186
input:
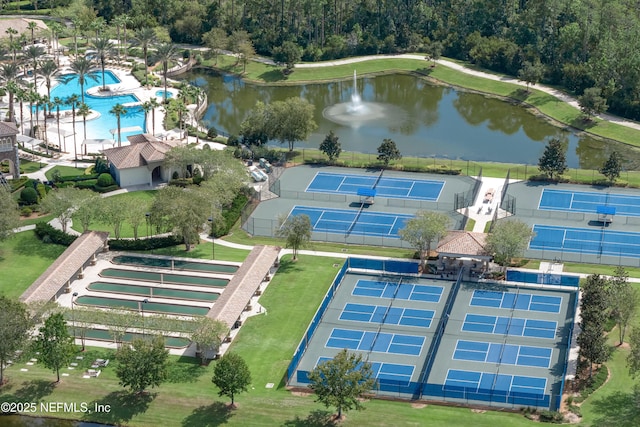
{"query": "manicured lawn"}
pixel 29 221
pixel 23 258
pixel 142 197
pixel 64 171
pixel 27 166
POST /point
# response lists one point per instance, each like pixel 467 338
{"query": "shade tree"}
pixel 231 375
pixel 296 230
pixel 15 326
pixel 142 364
pixel 342 382
pixel 388 151
pixel 423 230
pixel 9 214
pixel 331 147
pixel 55 344
pixel 508 239
pixel 553 161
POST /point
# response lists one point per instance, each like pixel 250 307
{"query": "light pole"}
pixel 213 245
pixel 141 306
pixel 73 315
pixel 147 215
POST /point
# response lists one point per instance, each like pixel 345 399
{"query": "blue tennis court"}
pixel 342 221
pixel 409 345
pixel 514 326
pixel 473 381
pixel 399 188
pixel 585 201
pixel 586 240
pixel 404 291
pixel 508 300
pixel 390 373
pixel 520 355
pixel 387 315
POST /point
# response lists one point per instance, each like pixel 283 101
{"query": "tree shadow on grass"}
pixel 216 414
pixel 184 370
pixel 619 409
pixel 30 247
pixel 317 418
pixel 35 390
pixel 273 76
pixel 288 266
pixel 123 406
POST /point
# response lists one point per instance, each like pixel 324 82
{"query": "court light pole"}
pixel 147 215
pixel 141 309
pixel 73 315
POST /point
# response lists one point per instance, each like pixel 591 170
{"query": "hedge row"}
pixel 143 244
pixel 48 234
pixel 77 178
pixel 231 215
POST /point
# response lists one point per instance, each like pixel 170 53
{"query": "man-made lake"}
pixel 427 120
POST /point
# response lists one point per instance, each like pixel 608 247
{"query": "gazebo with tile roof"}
pixel 9 147
pixel 464 244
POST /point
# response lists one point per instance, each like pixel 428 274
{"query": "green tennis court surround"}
pixel 103 335
pixel 148 291
pixel 150 276
pixel 174 264
pixel 156 307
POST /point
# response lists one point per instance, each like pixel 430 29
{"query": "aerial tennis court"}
pixel 588 201
pixel 391 187
pixel 475 343
pixel 599 241
pixel 343 221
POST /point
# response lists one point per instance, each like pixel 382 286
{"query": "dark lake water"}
pixel 432 121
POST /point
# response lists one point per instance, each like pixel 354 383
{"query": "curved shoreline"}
pixel 535 91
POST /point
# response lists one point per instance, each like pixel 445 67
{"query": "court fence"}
pixel 590 253
pixel 417 389
pixel 467 198
pixel 386 266
pixel 569 280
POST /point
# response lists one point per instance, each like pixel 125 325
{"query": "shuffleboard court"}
pixel 174 264
pixel 149 291
pixel 104 335
pixel 343 221
pixel 586 240
pixel 387 315
pixel 404 291
pixel 399 188
pixel 375 341
pixel 520 355
pixel 152 276
pixel 520 301
pixel 514 326
pixel 501 383
pixel 158 307
pixel 587 201
pixel 393 373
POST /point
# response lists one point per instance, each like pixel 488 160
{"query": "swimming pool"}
pixel 160 93
pixel 99 127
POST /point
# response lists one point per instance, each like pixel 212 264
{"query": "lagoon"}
pixel 435 121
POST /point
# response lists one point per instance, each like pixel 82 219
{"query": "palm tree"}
pixel 145 37
pixel 125 19
pixel 57 102
pixel 97 25
pixel 166 52
pixel 153 103
pixel 12 32
pixel 103 47
pixel 48 69
pixel 9 74
pixel 82 67
pixel 84 111
pixel 32 25
pixel 73 101
pixel 21 96
pixel 56 29
pixel 34 53
pixel 118 110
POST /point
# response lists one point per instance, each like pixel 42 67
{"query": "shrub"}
pixel 551 417
pixel 41 189
pixel 105 180
pixel 144 244
pixel 101 165
pixel 99 189
pixel 47 233
pixel 87 184
pixel 175 175
pixel 233 141
pixel 197 176
pixel 56 176
pixel 181 182
pixel 206 147
pixel 29 196
pixel 26 211
pixel 231 215
pixel 212 132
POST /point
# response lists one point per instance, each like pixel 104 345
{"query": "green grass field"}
pixel 65 171
pixel 23 258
